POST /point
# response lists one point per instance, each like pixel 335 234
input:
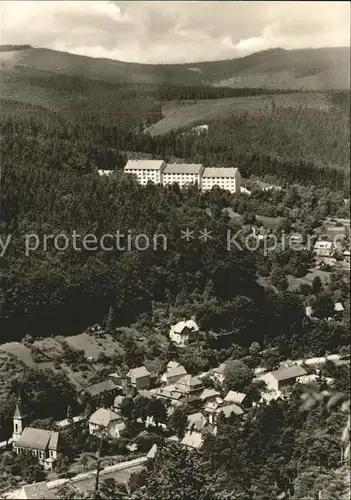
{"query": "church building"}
pixel 41 443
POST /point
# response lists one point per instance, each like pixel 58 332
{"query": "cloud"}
pixel 173 31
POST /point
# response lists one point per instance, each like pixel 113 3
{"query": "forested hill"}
pixel 316 69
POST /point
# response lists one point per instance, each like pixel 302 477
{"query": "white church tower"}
pixel 19 419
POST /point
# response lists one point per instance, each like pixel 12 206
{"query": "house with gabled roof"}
pixel 173 373
pixel 190 385
pixel 238 398
pixel 196 422
pixel 183 332
pixel 217 374
pixel 282 378
pixel 193 440
pixel 139 377
pixel 97 392
pixel 107 421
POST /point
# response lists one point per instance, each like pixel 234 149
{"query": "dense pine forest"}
pixel 50 185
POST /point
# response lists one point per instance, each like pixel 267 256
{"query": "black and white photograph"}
pixel 175 250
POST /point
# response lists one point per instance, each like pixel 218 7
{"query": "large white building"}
pixel 225 178
pixel 182 174
pixel 146 170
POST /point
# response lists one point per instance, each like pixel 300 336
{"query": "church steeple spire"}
pixel 18 418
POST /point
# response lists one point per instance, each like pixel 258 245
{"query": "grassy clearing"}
pixel 179 115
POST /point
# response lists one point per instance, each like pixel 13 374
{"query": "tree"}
pixel 277 275
pixel 317 285
pixel 110 320
pixel 177 473
pixel 69 414
pixel 178 421
pixel 254 348
pixel 237 376
pixel 323 306
pixel 157 409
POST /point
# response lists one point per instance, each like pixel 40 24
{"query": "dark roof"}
pixel 289 372
pixel 100 388
pixel 31 437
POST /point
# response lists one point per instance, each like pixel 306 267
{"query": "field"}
pixel 180 115
pixel 48 353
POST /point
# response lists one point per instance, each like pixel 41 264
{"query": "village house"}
pixel 117 402
pixel 40 443
pixel 283 378
pixel 238 398
pixel 106 172
pixel 346 257
pixel 196 422
pixel 209 395
pixel 100 394
pixel 139 377
pixel 323 248
pixel 106 421
pixel 183 332
pixel 173 373
pixel 217 374
pixel 193 440
pixel 226 410
pixel 169 393
pixel 200 129
pixel 190 385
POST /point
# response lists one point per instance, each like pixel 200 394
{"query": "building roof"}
pixel 35 491
pixel 211 406
pixel 167 392
pixel 152 451
pixel 196 421
pixel 53 443
pixel 175 371
pixel 100 388
pixel 235 397
pixel 193 440
pixel 230 409
pixel 322 245
pixel 190 381
pixel 222 172
pixel 103 417
pixel 183 168
pixel 338 307
pixel 106 172
pixel 144 165
pixel 190 324
pixel 208 393
pixel 289 372
pixel 139 372
pixel 31 437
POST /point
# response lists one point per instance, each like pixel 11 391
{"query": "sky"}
pixel 171 32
